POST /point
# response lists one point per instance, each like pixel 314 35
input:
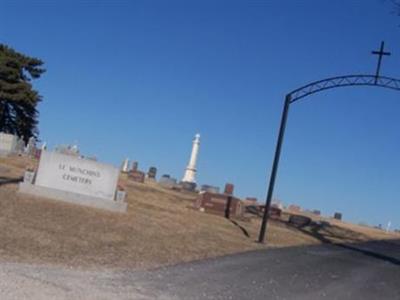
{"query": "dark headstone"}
pixel 135 166
pixel 299 220
pixel 253 209
pixel 152 172
pixel 229 187
pixel 220 204
pixel 316 212
pixel 337 216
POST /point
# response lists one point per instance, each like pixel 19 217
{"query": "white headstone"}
pixel 8 143
pixel 20 146
pixel 30 148
pixel 72 174
pixel 125 166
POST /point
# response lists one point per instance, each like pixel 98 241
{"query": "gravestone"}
pixel 337 216
pixel 75 180
pixel 9 143
pixel 167 181
pixel 20 146
pixel 229 187
pixel 188 186
pixel 209 188
pixel 68 149
pixel 299 220
pixel 30 148
pixel 135 166
pixel 220 204
pixel 274 212
pixel 253 209
pixel 137 176
pixel 250 201
pixel 152 173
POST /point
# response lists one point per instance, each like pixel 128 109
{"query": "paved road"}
pixel 323 272
pixel 319 272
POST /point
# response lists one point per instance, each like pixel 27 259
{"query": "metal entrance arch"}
pixel 304 91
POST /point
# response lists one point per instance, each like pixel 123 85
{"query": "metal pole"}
pixel 228 207
pixel 268 200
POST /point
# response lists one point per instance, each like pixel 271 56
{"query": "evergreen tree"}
pixel 18 99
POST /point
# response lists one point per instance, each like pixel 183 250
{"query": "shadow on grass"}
pixel 245 232
pixel 324 232
pixel 8 180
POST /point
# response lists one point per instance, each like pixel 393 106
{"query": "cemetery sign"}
pixel 76 180
pixel 70 173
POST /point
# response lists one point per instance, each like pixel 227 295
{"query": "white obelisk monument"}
pixel 190 171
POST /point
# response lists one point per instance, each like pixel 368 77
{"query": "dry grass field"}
pixel 159 228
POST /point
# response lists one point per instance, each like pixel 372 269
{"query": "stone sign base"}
pixel 70 197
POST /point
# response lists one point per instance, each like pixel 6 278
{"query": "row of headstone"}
pixel 133 171
pixel 129 169
pixel 68 149
pixel 12 144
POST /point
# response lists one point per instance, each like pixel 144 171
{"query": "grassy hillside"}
pixel 159 228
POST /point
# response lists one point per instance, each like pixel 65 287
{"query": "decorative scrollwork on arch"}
pixel 343 81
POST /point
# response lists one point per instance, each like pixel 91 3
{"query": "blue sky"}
pixel 138 79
